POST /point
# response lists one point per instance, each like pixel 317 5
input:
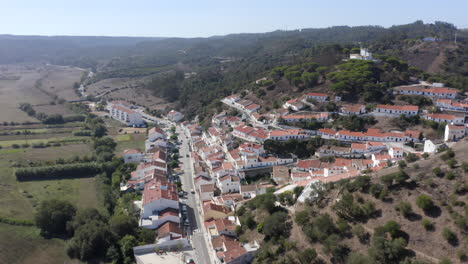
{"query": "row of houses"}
pixel 435 92
pixel 159 207
pixel 374 135
pixel 218 183
pixel 452 105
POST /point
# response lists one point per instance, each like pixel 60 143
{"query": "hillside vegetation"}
pixel 417 214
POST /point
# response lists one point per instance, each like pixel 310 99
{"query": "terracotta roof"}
pixel 124 109
pixel 441 90
pixel 259 133
pixel 161 155
pixel 286 132
pixel 252 106
pixel 442 116
pixel 169 228
pixel 131 151
pixel 204 188
pixel 412 133
pixel 157 189
pixel 318 94
pixel 360 146
pixel 306 164
pixel 243 128
pixel 453 127
pixel 399 107
pixel 307 116
pixel 327 131
pixel 248 188
pixel 156 130
pixel 214 207
pixel 218 242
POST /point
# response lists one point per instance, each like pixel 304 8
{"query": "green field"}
pixel 9 143
pixel 18 200
pixel 130 141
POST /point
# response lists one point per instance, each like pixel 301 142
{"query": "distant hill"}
pixel 228 64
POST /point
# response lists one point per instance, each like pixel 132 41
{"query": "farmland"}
pixel 40 86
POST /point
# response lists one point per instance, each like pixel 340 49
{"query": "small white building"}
pixel 133 156
pixel 397 110
pixel 229 184
pixel 446 118
pixel 321 97
pixel 364 54
pixel 175 116
pixel 453 133
pixel 283 135
pixel 294 104
pixel 396 153
pixel 156 133
pixel 206 192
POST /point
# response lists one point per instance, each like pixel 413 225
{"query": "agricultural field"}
pixel 23 244
pixel 18 200
pixel 59 80
pixel 33 85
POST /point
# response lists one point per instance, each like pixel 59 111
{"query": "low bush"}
pixel 18 222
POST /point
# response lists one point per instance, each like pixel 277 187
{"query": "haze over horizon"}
pixel 147 18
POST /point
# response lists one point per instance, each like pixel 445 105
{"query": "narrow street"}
pixel 196 229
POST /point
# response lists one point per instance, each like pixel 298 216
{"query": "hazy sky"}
pixel 201 18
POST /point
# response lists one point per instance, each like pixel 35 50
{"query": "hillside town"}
pixel 194 178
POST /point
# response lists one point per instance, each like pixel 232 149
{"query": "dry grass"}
pixel 59 80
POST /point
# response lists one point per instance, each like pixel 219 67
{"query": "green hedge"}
pixel 18 222
pixel 67 171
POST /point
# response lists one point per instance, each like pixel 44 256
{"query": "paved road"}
pixel 199 241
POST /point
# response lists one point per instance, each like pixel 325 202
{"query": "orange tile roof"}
pixel 399 107
pixel 132 151
pixel 157 189
pixel 168 228
pixel 318 94
pixel 442 116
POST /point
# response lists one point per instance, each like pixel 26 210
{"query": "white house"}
pixel 124 113
pixel 396 153
pixel 175 116
pixel 157 196
pixel 364 54
pixel 283 135
pixel 320 117
pixel 448 104
pixel 356 109
pixel 450 119
pixel 453 133
pixel 429 146
pixel 295 104
pixel 397 110
pixel 133 156
pixel 206 192
pixel 229 184
pixel 321 97
pixel 437 92
pixel 251 190
pixel 156 133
